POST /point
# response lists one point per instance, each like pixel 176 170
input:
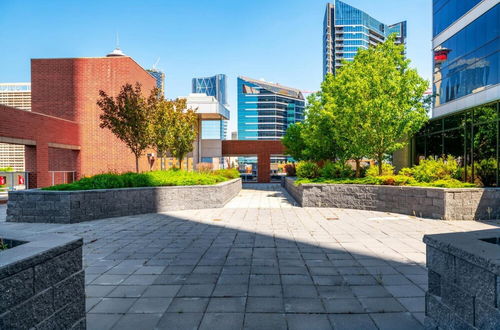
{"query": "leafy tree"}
pixel 128 116
pixel 376 102
pixel 163 120
pixel 182 131
pixel 293 141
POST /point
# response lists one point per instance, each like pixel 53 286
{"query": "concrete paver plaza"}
pixel 258 263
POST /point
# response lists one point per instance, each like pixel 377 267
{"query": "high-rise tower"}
pixel 347 29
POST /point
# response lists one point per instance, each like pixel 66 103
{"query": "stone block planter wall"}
pixel 438 203
pixel 464 280
pixel 42 282
pixel 77 206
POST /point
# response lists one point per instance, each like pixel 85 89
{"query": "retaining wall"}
pixel 438 203
pixel 42 282
pixel 464 280
pixel 77 206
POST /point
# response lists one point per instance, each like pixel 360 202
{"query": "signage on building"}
pixel 20 179
pixel 441 55
pixel 3 180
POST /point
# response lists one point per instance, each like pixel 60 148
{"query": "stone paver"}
pixel 258 263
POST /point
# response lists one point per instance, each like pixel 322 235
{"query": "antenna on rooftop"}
pixel 156 63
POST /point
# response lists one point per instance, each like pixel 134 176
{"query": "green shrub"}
pixel 336 170
pixel 396 180
pixel 486 171
pixel 148 179
pixel 229 173
pixel 7 169
pixel 430 169
pixel 393 180
pixel 387 169
pixel 406 171
pixel 446 183
pixel 308 170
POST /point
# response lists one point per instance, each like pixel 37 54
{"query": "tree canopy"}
pixel 368 109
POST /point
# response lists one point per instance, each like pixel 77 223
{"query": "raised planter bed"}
pixel 77 206
pixel 464 280
pixel 437 203
pixel 42 282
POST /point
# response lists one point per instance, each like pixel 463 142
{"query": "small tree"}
pixel 182 130
pixel 128 117
pixel 293 141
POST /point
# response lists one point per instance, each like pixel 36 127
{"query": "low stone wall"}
pixel 77 206
pixel 438 203
pixel 464 280
pixel 42 282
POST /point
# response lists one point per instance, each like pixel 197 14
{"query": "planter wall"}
pixel 42 282
pixel 437 203
pixel 464 280
pixel 77 206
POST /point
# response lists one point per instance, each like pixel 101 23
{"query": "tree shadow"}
pixel 206 270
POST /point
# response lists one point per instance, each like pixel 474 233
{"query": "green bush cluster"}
pixel 172 177
pixel 429 173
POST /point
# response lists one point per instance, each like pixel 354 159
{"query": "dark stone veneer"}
pixel 437 203
pixel 85 205
pixel 42 282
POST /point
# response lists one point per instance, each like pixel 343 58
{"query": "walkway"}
pixel 258 263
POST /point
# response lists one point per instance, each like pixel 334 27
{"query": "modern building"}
pixel 347 29
pixel 265 110
pixel 213 86
pixel 17 95
pixel 466 85
pixel 159 77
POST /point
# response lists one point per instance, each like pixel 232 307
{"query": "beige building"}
pixel 17 95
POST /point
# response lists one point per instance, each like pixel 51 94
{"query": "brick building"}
pixel 62 132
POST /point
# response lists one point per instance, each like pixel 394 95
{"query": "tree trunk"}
pixel 379 159
pixel 358 167
pixel 136 164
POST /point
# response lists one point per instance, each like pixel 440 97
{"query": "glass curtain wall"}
pixel 471 136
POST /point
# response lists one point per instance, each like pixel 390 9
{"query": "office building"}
pixel 265 110
pixel 465 115
pixel 347 29
pixel 160 79
pixel 17 95
pixel 213 86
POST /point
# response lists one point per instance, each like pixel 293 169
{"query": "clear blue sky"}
pixel 278 40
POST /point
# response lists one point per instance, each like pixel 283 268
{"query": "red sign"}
pixel 20 179
pixel 441 55
pixel 3 180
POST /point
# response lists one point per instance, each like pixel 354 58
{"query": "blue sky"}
pixel 278 40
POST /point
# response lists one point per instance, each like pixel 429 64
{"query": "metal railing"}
pixel 66 176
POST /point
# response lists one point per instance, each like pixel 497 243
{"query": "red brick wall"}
pixel 70 88
pixel 262 149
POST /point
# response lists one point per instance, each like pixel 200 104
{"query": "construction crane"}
pixel 156 63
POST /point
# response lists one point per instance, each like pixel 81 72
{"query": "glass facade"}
pixel 212 86
pixel 445 12
pixel 265 110
pixel 347 29
pixel 471 136
pixel 468 62
pixel 160 79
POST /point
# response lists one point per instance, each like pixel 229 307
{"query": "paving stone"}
pixel 230 290
pixel 150 305
pixel 161 291
pixel 196 290
pixel 264 305
pixel 396 321
pixel 261 321
pixel 137 321
pixel 127 291
pixel 180 321
pixel 308 321
pixel 227 305
pixel 140 279
pixel 405 290
pixel 109 279
pixel 343 305
pixel 303 305
pixel 102 321
pixel 370 291
pixel 381 305
pixel 98 290
pixel 265 291
pixel 352 322
pixel 113 305
pixel 300 291
pixel 222 321
pixel 188 305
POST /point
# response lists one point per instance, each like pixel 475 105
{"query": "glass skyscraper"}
pixel 347 29
pixel 212 86
pixel 159 77
pixel 265 110
pixel 466 85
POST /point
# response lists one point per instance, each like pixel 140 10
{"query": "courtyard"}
pixel 260 262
